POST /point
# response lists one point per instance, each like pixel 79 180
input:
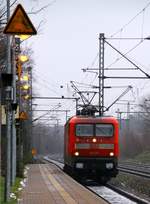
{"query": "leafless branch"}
pixel 2 12
pixel 39 28
pixel 13 3
pixel 6 9
pixel 41 9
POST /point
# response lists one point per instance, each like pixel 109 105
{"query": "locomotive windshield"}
pixel 84 130
pixel 99 130
pixel 104 130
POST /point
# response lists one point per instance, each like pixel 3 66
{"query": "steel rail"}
pixel 127 195
pixel 135 172
pixel 134 163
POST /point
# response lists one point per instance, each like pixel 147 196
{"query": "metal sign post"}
pixel 8 116
pixel 19 23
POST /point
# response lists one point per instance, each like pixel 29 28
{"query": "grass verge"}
pixel 135 184
pixel 14 189
pixel 141 158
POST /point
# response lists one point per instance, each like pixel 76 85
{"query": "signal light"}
pixel 26 87
pixel 23 58
pixel 24 78
pixel 26 97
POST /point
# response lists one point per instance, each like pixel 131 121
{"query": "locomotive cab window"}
pixel 105 130
pixel 84 130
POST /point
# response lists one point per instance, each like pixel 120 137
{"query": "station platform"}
pixel 48 184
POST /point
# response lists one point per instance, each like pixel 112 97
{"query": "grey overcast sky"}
pixel 68 41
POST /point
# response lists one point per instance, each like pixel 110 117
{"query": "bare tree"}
pixel 2 53
pixel 145 108
pixel 135 132
pixel 48 140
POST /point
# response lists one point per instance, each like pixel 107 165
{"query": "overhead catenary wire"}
pixel 124 26
pixel 47 84
pixel 133 48
pixel 147 75
pixel 56 87
pixel 142 25
pixel 121 30
pixel 132 19
pixel 91 65
pixel 50 81
pixel 95 77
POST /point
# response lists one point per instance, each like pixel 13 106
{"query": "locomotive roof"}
pixel 81 118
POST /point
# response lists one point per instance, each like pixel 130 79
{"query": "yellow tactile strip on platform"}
pixel 36 190
pixel 47 184
pixel 65 195
pixel 76 191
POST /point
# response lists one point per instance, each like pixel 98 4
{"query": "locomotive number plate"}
pixel 94 146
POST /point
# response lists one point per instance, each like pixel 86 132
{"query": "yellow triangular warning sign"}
pixel 23 116
pixel 33 151
pixel 19 23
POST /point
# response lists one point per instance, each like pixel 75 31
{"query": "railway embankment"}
pixel 135 184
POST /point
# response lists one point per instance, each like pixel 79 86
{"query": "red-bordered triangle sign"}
pixel 19 23
pixel 23 116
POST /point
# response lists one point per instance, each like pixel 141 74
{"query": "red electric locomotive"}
pixel 91 146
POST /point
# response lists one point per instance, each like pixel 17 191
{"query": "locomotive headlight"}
pixel 109 165
pixel 111 154
pixel 94 140
pixel 76 153
pixel 79 165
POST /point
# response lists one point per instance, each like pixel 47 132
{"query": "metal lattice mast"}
pixel 101 74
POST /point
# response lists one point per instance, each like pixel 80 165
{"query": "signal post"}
pixel 18 24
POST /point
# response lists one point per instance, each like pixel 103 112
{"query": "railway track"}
pixel 139 166
pixel 134 171
pixel 128 195
pixel 109 192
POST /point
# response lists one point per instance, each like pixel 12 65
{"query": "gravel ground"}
pixel 133 184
